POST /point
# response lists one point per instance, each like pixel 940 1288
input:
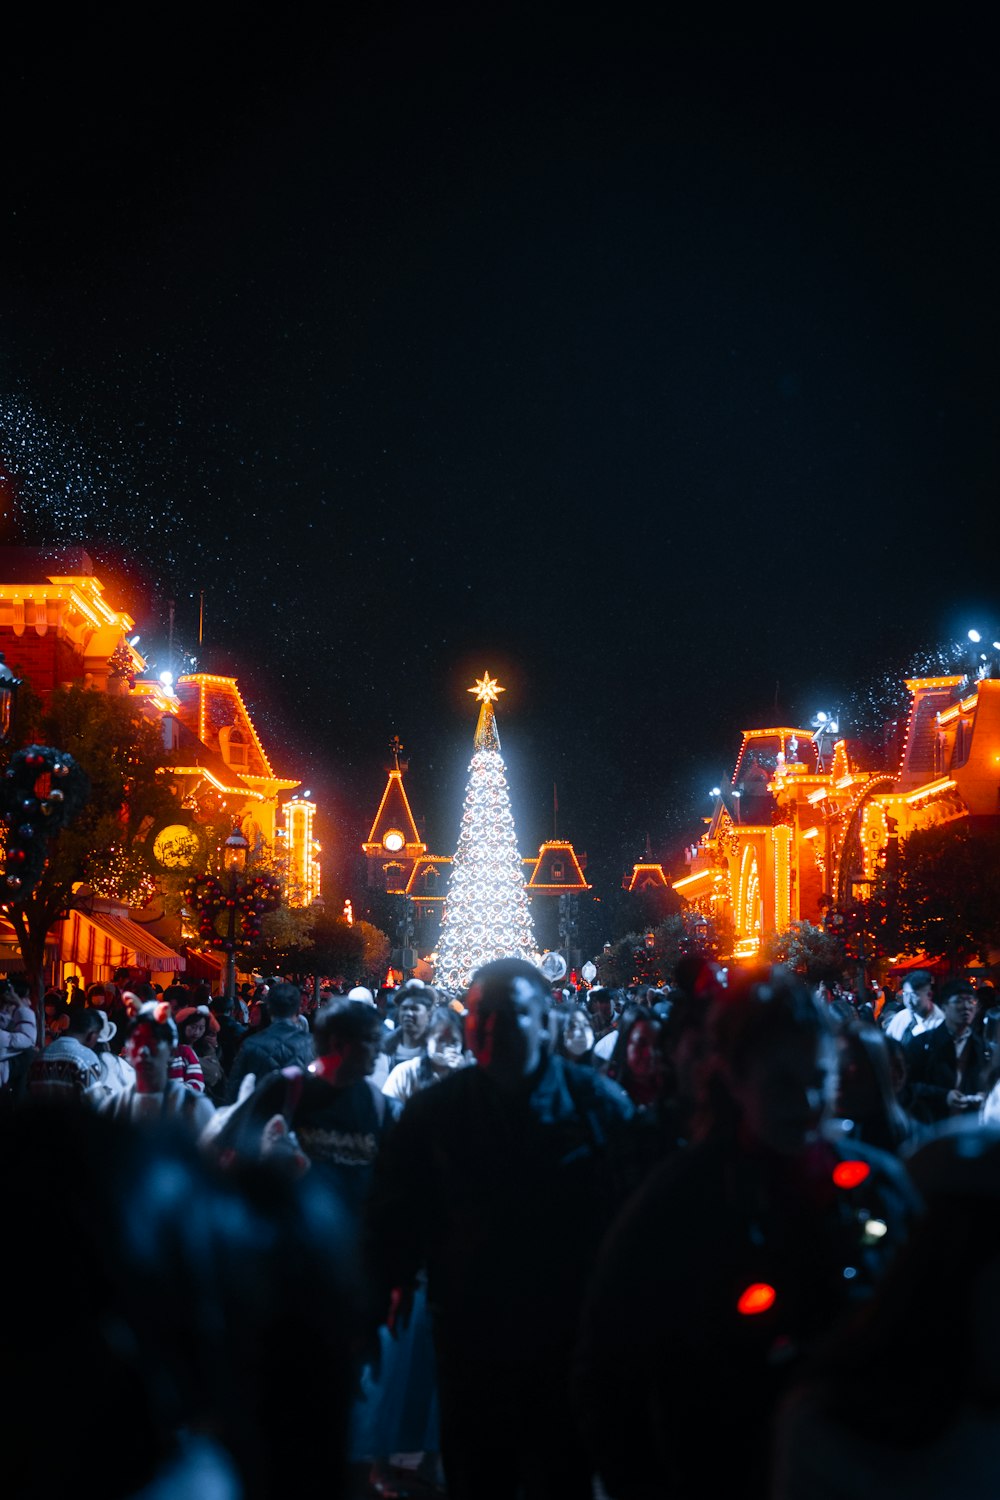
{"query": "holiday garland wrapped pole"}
pixel 486 912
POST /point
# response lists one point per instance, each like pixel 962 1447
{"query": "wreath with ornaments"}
pixel 213 900
pixel 40 792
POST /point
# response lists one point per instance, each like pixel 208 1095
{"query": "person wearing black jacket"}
pixel 948 1065
pixel 285 1043
pixel 501 1180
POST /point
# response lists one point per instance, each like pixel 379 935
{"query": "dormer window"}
pixel 558 870
pixel 237 749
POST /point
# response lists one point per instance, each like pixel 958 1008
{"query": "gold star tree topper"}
pixel 487 689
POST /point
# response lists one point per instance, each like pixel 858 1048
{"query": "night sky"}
pixel 649 365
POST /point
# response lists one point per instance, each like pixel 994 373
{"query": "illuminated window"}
pixel 558 870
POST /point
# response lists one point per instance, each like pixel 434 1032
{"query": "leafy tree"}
pixel 634 959
pixel 123 757
pixel 949 892
pixel 807 949
pixel 375 951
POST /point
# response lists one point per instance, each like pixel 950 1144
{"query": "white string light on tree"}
pixel 486 912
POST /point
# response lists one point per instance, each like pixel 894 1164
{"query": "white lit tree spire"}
pixel 486 914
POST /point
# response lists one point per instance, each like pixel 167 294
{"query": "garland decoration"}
pixel 212 897
pixel 41 791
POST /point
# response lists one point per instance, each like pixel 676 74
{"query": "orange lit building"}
pixel 790 830
pixel 57 628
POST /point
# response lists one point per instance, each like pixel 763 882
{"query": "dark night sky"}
pixel 650 366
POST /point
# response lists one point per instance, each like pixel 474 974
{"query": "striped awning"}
pixel 110 942
pixel 11 961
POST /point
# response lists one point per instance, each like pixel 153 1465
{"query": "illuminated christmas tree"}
pixel 486 915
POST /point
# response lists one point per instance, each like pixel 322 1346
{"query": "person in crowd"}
pixel 282 1044
pixel 600 1004
pixel 198 1029
pixel 231 1031
pixel 575 1037
pixel 338 1120
pixel 202 1295
pixel 948 1064
pixel 866 1102
pixel 178 997
pixel 888 1003
pixel 241 1003
pixel 733 1258
pixel 116 1073
pixel 106 996
pixel 685 1051
pixel 637 1063
pixel 830 994
pixel 69 1069
pixel 398 1412
pixel 987 1014
pixel 852 1426
pixel 445 1052
pixel 18 1033
pixel 496 1180
pixel 408 1039
pixel 919 1012
pixel 639 1066
pixel 155 1095
pixel 185 1066
pixel 56 1015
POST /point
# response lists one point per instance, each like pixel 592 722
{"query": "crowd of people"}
pixel 736 1235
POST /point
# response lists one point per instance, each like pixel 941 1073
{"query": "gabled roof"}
pixel 440 864
pixel 207 684
pixel 542 875
pixel 192 755
pixel 394 815
pixel 645 875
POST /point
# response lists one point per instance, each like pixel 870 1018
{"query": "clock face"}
pixel 393 841
pixel 176 847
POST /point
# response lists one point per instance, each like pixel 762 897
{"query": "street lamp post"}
pixel 234 859
pixel 317 905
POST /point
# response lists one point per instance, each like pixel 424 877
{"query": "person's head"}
pixel 222 1006
pixel 194 1023
pixel 637 1062
pixel 958 1001
pixel 774 1060
pixel 866 1088
pixel 577 1034
pixel 600 1003
pixel 149 1043
pixel 136 996
pixel 178 997
pixel 283 1001
pixel 918 992
pixel 101 995
pixel 54 1004
pixel 414 1000
pixel 85 1025
pixel 19 986
pixel 507 1004
pixel 346 1034
pixel 445 1040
